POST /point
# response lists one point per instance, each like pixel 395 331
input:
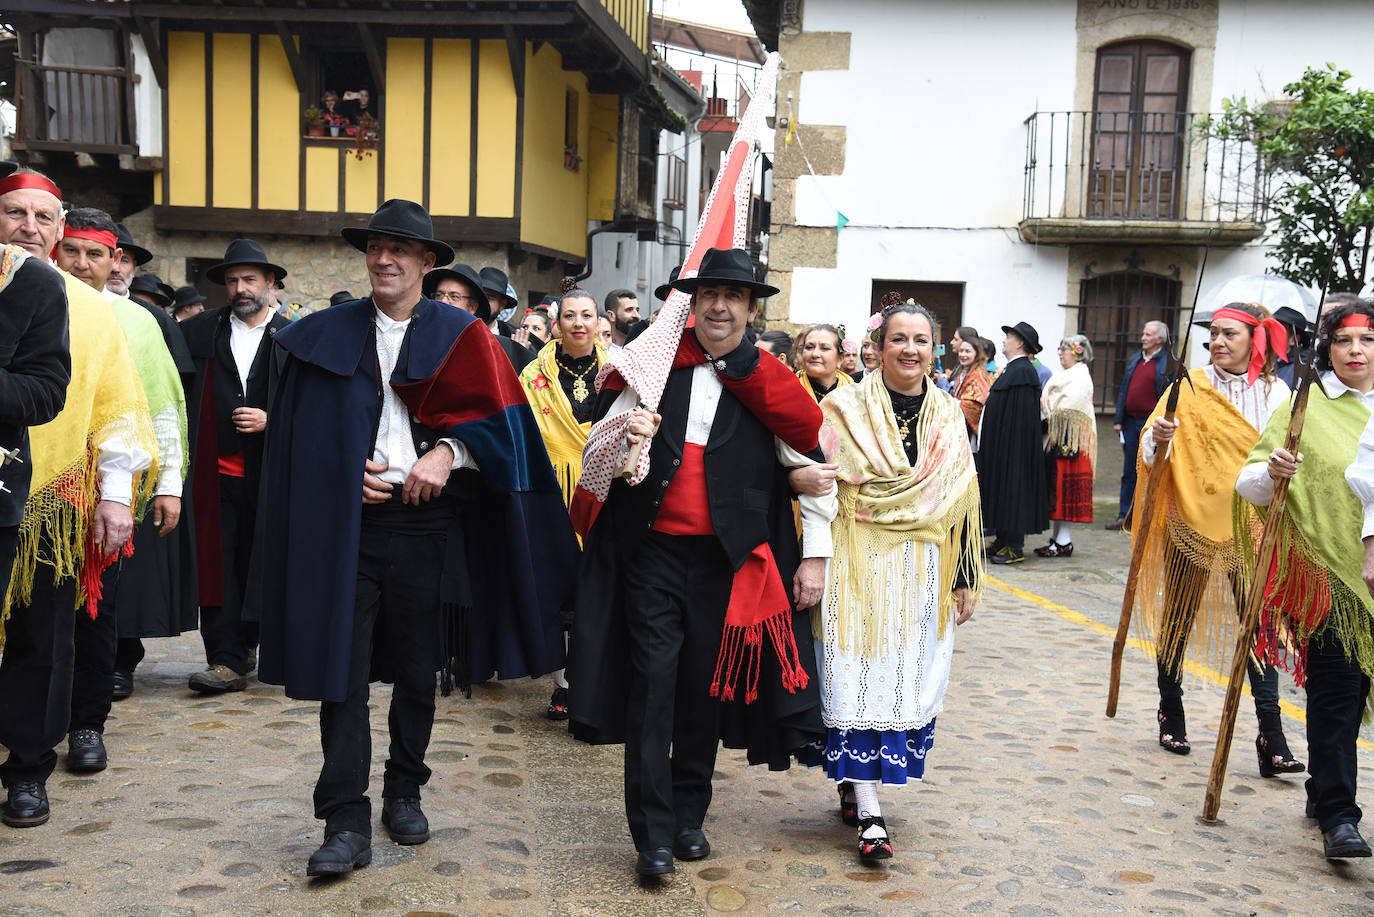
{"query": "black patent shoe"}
pixel 26 806
pixel 655 862
pixel 1344 842
pixel 1055 549
pixel 404 820
pixel 1274 756
pixel 123 685
pixel 691 844
pixel 558 705
pixel 86 752
pixel 342 852
pixel 872 849
pixel 1173 734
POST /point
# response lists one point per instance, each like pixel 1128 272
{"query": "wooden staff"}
pixel 1147 502
pixel 1254 599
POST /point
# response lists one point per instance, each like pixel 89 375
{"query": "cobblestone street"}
pixel 1034 802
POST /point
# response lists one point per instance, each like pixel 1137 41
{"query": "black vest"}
pixel 740 464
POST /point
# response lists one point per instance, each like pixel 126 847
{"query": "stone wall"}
pixel 317 268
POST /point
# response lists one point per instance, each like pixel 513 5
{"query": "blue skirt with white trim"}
pixel 891 756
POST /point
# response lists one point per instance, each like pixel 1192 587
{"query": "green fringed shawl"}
pixel 1317 585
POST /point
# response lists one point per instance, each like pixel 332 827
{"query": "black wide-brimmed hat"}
pixel 140 254
pixel 663 289
pixel 1025 332
pixel 243 251
pixel 186 296
pixel 7 167
pixel 152 286
pixel 495 280
pixel 465 273
pixel 341 297
pixel 729 266
pixel 404 220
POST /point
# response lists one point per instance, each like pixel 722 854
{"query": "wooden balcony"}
pixel 74 109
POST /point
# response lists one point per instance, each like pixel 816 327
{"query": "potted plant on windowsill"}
pixel 314 122
pixel 335 123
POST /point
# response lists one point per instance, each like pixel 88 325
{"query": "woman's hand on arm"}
pixel 964 601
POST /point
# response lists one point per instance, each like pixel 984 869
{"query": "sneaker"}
pixel 1008 555
pixel 217 679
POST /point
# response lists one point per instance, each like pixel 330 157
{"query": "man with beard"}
pixel 622 308
pixel 227 406
pixel 89 250
pixel 128 258
pixel 90 464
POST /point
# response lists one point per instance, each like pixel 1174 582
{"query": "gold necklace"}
pixel 579 386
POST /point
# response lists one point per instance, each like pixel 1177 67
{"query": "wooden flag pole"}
pixel 1254 600
pixel 1146 503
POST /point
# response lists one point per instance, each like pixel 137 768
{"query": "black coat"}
pixel 1012 470
pixel 35 367
pixel 750 503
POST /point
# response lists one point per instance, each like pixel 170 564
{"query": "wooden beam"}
pixel 515 47
pixel 151 33
pixel 323 224
pixel 374 58
pixel 293 56
pixel 200 12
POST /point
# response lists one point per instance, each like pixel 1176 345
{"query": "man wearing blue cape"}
pixel 397 423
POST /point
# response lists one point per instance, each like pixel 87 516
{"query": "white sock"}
pixel 866 795
pixel 560 678
pixel 1061 534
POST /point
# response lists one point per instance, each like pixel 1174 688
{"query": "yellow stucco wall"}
pixel 450 135
pixel 186 107
pixel 553 211
pixel 232 93
pixel 404 131
pixel 496 106
pixel 279 129
pixel 602 156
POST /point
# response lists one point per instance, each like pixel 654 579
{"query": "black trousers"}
pixel 396 613
pixel 94 667
pixel 1131 428
pixel 1336 692
pixel 676 592
pixel 227 637
pixel 129 653
pixel 36 678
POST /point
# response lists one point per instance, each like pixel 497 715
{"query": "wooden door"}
pixel 1139 124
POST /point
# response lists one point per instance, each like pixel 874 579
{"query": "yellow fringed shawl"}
pixel 885 503
pixel 1190 557
pixel 842 379
pixel 563 436
pixel 104 401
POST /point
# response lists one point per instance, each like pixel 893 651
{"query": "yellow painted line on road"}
pixel 1145 646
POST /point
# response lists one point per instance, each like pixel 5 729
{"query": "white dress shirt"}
pixel 117 462
pixel 243 343
pixel 395 446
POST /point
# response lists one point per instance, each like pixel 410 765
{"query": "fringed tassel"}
pixel 741 650
pixel 455 648
pixel 93 573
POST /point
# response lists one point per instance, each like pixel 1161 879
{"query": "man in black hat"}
pixel 231 348
pixel 666 558
pixel 496 286
pixel 461 286
pixel 379 402
pixel 1299 339
pixel 187 303
pixel 341 297
pixel 128 256
pixel 1012 470
pixel 151 291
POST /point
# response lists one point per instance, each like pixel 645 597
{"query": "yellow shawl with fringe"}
pixel 1190 558
pixel 105 401
pixel 1068 401
pixel 563 436
pixel 885 503
pixel 842 379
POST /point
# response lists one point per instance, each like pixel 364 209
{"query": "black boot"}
pixel 342 852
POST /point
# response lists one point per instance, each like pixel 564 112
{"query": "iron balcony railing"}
pixel 75 109
pixel 1138 166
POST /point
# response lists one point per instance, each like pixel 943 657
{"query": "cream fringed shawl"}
pixel 885 502
pixel 1068 400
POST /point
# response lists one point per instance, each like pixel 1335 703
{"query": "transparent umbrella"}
pixel 1266 289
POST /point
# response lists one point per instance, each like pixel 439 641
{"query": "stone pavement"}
pixel 1034 802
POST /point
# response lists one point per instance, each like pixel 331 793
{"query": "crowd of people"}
pixel 774 557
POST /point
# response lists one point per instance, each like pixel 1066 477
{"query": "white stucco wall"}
pixel 1264 44
pixel 147 103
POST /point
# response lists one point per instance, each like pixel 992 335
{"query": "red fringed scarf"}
pixel 758 599
pixel 1268 333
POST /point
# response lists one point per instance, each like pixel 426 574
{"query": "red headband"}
pixel 1268 333
pixel 103 236
pixel 29 180
pixel 1356 320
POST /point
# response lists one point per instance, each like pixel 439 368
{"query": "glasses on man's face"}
pixel 456 299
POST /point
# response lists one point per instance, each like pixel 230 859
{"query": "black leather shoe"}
pixel 691 844
pixel 1343 842
pixel 404 820
pixel 1310 810
pixel 123 685
pixel 86 752
pixel 656 862
pixel 26 805
pixel 342 851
